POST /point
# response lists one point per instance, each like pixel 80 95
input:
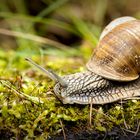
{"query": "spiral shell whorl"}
pixel 117 56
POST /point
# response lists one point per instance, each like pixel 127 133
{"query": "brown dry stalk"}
pixel 32 37
pixel 64 134
pixel 90 113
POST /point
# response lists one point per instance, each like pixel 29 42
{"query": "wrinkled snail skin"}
pixel 87 87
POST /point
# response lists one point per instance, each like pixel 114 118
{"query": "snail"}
pixel 112 72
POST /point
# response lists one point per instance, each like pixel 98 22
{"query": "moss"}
pixel 29 107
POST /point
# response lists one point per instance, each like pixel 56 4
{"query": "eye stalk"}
pixel 52 75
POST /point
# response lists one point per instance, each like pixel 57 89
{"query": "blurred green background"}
pixel 34 26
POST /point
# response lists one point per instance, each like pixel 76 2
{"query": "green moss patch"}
pixel 29 108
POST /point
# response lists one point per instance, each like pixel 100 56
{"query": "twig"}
pixel 64 134
pixel 135 133
pixel 21 94
pixel 125 124
pixel 90 113
pixel 127 130
pixel 138 127
pixel 123 131
pixel 102 114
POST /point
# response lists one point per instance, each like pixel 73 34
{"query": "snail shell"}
pixel 117 56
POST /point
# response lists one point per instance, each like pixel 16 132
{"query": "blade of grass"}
pixel 60 24
pixel 33 38
pixel 52 7
pixel 20 25
pixel 65 50
pixel 84 30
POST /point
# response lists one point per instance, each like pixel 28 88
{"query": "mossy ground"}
pixel 29 109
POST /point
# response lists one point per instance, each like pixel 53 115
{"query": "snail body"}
pixel 112 71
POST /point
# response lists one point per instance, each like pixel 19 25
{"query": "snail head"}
pixel 60 82
pixel 75 88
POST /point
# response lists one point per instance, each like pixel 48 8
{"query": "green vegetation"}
pixel 29 107
pixel 62 41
